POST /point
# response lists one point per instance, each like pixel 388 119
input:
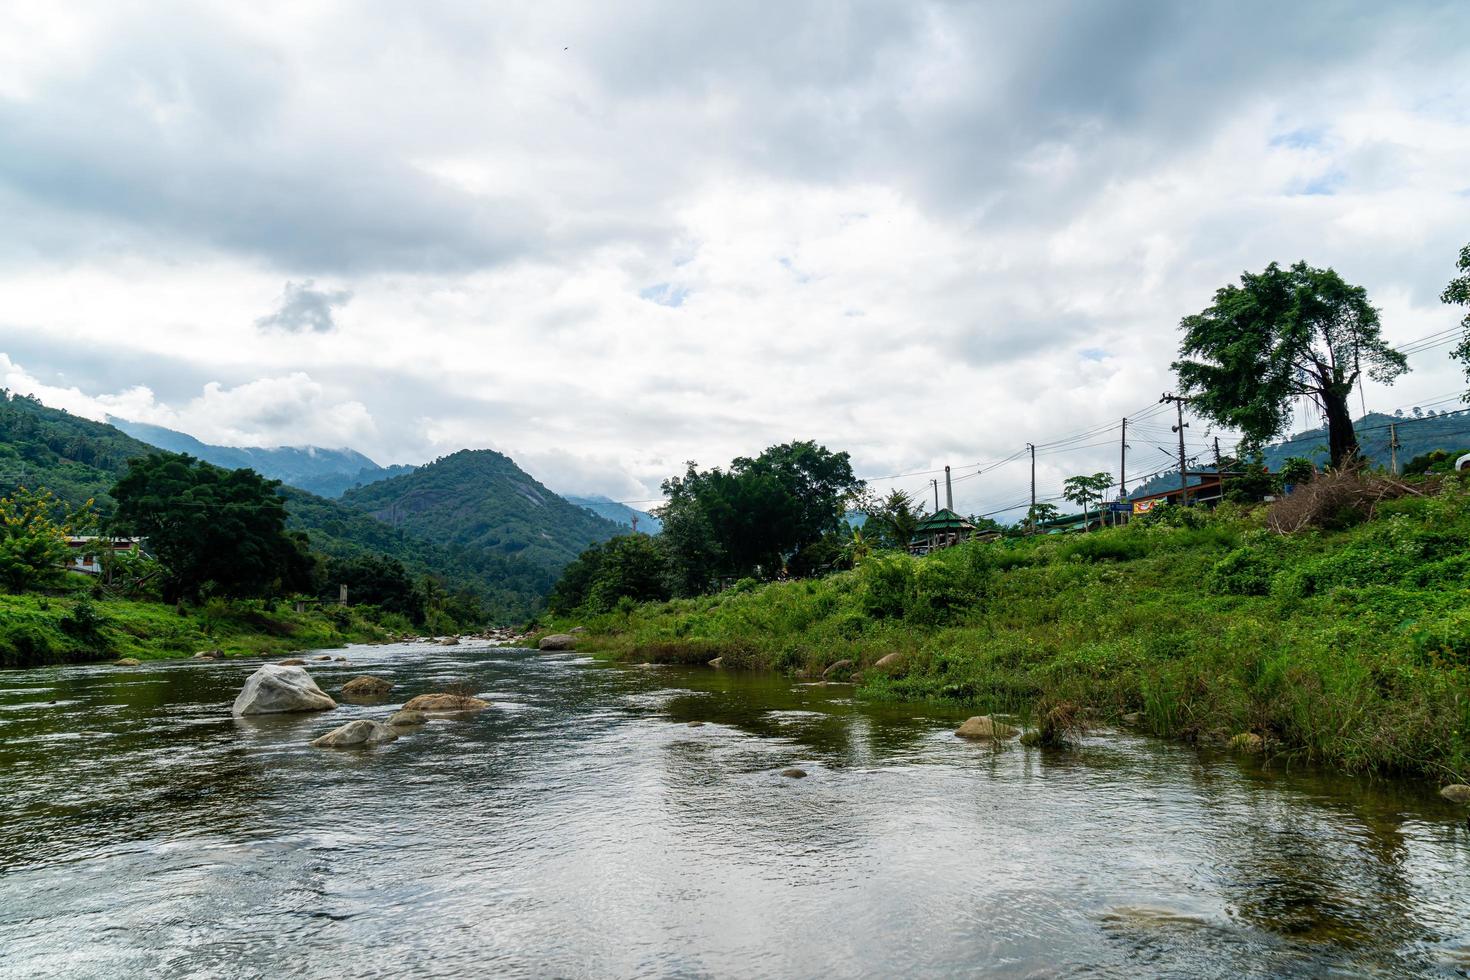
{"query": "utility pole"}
pixel 1179 427
pixel 1031 514
pixel 1219 466
pixel 935 484
pixel 1393 448
pixel 635 522
pixel 1123 463
pixel 948 490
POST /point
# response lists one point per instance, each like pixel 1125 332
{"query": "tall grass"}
pixel 1349 647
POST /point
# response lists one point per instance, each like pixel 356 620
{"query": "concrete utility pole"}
pixel 1219 467
pixel 1123 462
pixel 1393 449
pixel 948 490
pixel 1179 427
pixel 935 485
pixel 1031 514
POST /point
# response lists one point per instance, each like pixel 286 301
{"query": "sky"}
pixel 607 239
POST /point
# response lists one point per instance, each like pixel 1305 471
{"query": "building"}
pixel 87 551
pixel 941 529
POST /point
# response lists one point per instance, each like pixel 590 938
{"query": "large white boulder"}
pixel 274 689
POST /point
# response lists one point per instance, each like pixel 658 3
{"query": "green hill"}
pixel 481 501
pixel 78 459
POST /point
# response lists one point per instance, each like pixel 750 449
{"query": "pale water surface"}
pixel 582 828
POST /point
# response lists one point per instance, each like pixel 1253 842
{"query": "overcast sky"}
pixel 609 238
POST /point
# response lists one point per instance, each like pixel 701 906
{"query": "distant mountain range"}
pixel 327 472
pixel 620 513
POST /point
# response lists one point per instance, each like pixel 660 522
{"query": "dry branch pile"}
pixel 1338 498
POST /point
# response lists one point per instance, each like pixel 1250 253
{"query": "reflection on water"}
pixel 583 828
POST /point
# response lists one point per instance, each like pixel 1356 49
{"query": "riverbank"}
pixel 37 629
pixel 1346 647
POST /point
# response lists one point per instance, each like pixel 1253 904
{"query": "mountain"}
pixel 78 459
pixel 619 513
pixel 478 499
pixel 326 472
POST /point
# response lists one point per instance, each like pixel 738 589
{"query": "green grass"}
pixel 37 629
pixel 1350 648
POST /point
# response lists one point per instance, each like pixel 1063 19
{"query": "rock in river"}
pixel 356 734
pixel 557 641
pixel 1458 793
pixel 840 669
pixel 983 727
pixel 128 662
pixel 291 662
pixel 274 689
pixel 366 687
pixel 794 773
pixel 445 702
pixel 406 719
pixel 888 661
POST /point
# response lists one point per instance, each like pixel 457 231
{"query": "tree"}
pixel 214 531
pixel 1281 334
pixel 749 520
pixel 630 565
pixel 1082 490
pixel 1038 514
pixel 33 529
pixel 374 580
pixel 892 520
pixel 1458 293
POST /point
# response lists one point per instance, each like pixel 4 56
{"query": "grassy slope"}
pixel 32 630
pixel 1350 648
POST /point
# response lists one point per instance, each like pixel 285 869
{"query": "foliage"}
pixel 1458 292
pixel 34 526
pixel 1281 334
pixel 1041 513
pixel 1349 647
pixel 1334 500
pixel 1082 490
pixel 893 520
pixel 214 531
pixel 1434 461
pixel 1251 484
pixel 750 519
pixel 628 566
pixel 376 580
pixel 1297 470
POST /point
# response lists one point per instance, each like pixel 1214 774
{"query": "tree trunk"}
pixel 1342 441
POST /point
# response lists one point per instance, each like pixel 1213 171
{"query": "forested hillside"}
pixel 481 500
pixel 79 459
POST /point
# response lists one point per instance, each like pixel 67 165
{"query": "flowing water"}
pixel 584 828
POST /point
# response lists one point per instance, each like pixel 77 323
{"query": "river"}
pixel 584 828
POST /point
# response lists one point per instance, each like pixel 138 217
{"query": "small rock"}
pixel 696 724
pixel 274 690
pixel 887 661
pixel 356 734
pixel 325 656
pixel 210 655
pixel 366 687
pixel 557 641
pixel 291 662
pixel 1133 718
pixel 794 773
pixel 128 662
pixel 1247 742
pixel 341 660
pixel 405 719
pixel 449 641
pixel 1458 793
pixel 837 669
pixel 717 663
pixel 445 702
pixel 983 727
pixel 575 630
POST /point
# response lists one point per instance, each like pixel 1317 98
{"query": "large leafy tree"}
pixel 628 566
pixel 1458 292
pixel 749 519
pixel 214 531
pixel 34 525
pixel 1281 334
pixel 376 580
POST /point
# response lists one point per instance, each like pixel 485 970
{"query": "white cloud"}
pixel 611 242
